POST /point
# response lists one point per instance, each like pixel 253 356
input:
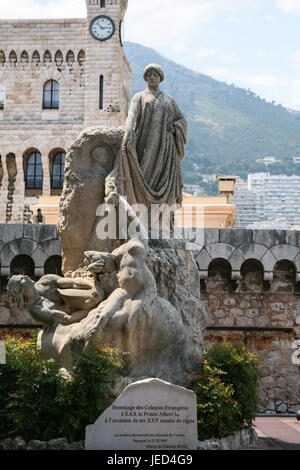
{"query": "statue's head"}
pixel 100 155
pixel 98 262
pixel 133 273
pixel 131 279
pixel 18 288
pixel 153 74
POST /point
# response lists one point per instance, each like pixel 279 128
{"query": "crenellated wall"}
pixel 239 245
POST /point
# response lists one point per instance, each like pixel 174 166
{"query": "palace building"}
pixel 57 77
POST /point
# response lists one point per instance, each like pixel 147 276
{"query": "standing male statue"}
pixel 147 170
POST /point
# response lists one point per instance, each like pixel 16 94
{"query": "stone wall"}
pixel 250 286
pixel 280 378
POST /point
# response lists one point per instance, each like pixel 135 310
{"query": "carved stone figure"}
pixel 88 162
pixel 54 300
pixel 135 319
pixel 141 295
pixel 148 169
pixel 159 339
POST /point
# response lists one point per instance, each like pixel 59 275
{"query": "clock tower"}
pixel 107 69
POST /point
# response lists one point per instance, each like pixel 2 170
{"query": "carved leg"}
pixel 78 316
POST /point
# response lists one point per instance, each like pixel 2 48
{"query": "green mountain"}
pixel 229 128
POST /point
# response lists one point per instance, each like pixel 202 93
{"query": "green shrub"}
pixel 227 391
pixel 240 367
pixel 39 403
pixel 216 408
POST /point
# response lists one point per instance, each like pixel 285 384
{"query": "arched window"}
pixel 81 57
pixel 35 57
pixel 53 265
pixel 102 3
pixel 34 171
pixel 70 57
pixel 284 277
pixel 24 57
pixel 1 96
pixel 252 276
pixel 11 165
pixel 101 90
pixel 22 264
pixel 58 58
pixel 47 56
pixel 219 276
pixel 51 95
pixel 12 57
pixel 2 58
pixel 252 266
pixel 58 169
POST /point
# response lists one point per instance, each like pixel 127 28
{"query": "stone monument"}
pixel 150 414
pixel 138 293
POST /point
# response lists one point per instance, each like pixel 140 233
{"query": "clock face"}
pixel 102 27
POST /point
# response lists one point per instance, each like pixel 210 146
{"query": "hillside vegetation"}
pixel 229 128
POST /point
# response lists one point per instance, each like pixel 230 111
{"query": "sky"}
pixel 252 43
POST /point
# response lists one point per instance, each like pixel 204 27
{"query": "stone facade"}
pixel 255 300
pixel 32 52
pixel 250 287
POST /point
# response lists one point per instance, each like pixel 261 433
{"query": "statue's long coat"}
pixel 148 166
